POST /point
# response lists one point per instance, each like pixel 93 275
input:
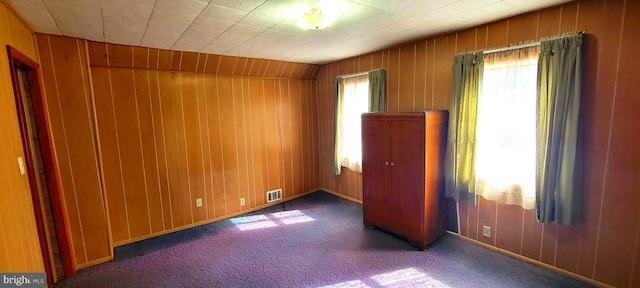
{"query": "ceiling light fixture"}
pixel 321 16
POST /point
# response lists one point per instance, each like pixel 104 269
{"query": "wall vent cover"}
pixel 274 195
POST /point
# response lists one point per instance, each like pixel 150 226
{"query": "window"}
pixel 506 127
pixel 355 102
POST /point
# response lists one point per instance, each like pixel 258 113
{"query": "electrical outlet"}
pixel 241 201
pixel 199 202
pixel 486 231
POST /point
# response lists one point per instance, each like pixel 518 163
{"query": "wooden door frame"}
pixel 63 231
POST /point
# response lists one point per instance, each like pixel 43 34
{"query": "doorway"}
pixel 46 193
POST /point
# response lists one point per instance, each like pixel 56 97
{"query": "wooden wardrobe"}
pixel 402 173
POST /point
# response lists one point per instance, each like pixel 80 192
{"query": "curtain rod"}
pixel 355 74
pixel 525 45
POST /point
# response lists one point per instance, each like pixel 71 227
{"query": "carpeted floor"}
pixel 314 241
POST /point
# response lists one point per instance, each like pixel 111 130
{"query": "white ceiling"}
pixel 262 28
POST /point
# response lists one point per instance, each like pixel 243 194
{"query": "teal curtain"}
pixel 338 94
pixel 558 190
pixel 460 176
pixel 377 91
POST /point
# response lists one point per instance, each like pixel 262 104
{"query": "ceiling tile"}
pixel 39 17
pixel 231 38
pixel 68 13
pixel 244 5
pixel 125 21
pixel 284 8
pixel 259 21
pixel 262 28
pixel 202 31
pixel 524 5
pixel 165 27
pixel 223 13
pixel 192 7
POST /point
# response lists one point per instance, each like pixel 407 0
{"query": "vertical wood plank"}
pixel 406 78
pixel 193 145
pixel 149 150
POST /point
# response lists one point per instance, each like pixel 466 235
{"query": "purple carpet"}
pixel 314 241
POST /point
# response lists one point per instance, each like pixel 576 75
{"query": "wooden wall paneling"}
pixel 259 162
pixel 131 155
pixel 315 134
pixel 149 151
pixel 364 62
pixel 393 97
pixel 279 66
pixel 285 69
pixel 568 18
pixel 227 65
pixel 161 150
pixel 169 100
pixel 376 60
pixel 509 228
pixel 591 19
pixel 241 138
pixel 229 144
pixel 487 213
pixel 520 28
pixel 208 200
pixel 193 145
pixel 549 243
pixel 271 127
pixel 620 209
pixel 307 128
pixel 187 203
pixel 97 53
pixel 441 77
pixel 189 61
pixel 141 57
pixel 297 145
pixel 284 112
pixel 429 73
pixel 419 85
pixel 176 60
pixel 153 58
pixel 263 68
pixel 19 247
pixel 548 23
pixel 202 62
pixel 120 55
pixel 164 59
pixel 212 64
pixel 70 83
pixel 248 136
pixel 567 250
pixel 532 232
pixel 110 154
pixel 60 144
pixel 214 118
pixel 406 78
pixel 256 66
pixel 497 34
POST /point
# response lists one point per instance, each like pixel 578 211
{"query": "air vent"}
pixel 274 195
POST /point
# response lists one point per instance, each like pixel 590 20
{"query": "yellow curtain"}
pixel 460 159
pixel 558 190
pixel 338 95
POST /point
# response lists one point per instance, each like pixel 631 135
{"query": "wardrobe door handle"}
pixel 386 163
pixel 393 164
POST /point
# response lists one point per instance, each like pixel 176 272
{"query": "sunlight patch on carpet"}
pixel 348 284
pixel 256 222
pixel 410 277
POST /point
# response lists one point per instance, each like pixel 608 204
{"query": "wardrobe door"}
pixel 375 168
pixel 407 171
